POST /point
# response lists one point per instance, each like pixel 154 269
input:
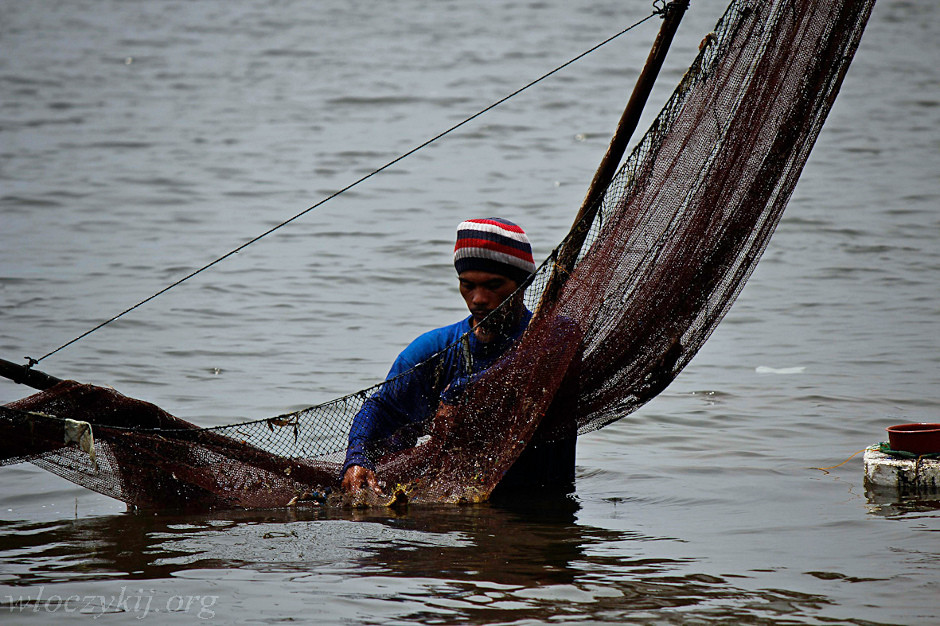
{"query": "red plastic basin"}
pixel 920 438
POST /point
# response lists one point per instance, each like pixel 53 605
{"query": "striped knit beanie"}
pixel 493 245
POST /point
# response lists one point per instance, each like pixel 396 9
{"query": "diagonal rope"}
pixel 31 361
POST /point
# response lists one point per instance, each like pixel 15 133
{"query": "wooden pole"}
pixel 568 254
pixel 26 376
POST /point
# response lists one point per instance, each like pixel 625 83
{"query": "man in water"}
pixel 493 257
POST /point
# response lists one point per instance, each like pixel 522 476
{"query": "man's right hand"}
pixel 358 477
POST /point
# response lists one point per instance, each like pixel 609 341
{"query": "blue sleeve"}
pixel 405 400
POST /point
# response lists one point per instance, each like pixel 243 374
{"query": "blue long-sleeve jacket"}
pixel 396 415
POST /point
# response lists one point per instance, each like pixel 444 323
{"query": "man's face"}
pixel 484 291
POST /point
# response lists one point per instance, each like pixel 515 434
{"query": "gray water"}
pixel 139 141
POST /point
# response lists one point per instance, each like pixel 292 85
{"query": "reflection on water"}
pixel 477 564
pixel 893 506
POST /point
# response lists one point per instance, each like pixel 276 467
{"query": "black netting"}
pixel 679 231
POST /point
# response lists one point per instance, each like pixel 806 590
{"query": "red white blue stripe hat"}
pixel 493 245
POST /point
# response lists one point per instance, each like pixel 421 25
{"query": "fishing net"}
pixel 677 234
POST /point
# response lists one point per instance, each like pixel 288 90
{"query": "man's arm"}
pixel 391 417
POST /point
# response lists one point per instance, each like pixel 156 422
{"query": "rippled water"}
pixel 142 140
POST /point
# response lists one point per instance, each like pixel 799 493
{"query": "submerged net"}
pixel 679 230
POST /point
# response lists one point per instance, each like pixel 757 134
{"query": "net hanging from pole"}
pixel 678 232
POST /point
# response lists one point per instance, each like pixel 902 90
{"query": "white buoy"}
pixel 904 477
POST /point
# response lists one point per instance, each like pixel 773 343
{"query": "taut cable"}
pixel 421 146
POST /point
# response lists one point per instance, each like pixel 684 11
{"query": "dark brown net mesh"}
pixel 679 231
